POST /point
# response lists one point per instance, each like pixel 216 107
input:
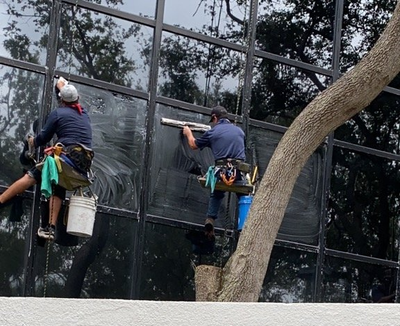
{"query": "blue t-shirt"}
pixel 70 127
pixel 225 140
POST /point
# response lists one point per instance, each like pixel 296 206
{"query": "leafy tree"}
pixel 300 30
pixel 243 275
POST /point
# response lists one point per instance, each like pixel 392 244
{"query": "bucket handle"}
pixel 92 195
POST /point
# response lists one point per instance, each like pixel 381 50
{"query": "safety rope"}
pixel 211 49
pixel 72 40
pixel 46 269
pixel 49 242
pixel 243 56
pixel 227 220
pixel 210 58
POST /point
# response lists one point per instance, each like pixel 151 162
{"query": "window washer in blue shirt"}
pixel 71 124
pixel 227 143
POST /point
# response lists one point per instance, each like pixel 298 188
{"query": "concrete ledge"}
pixel 54 311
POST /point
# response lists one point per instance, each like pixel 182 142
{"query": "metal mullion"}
pixel 360 258
pixel 112 12
pixel 23 65
pixel 366 150
pixel 147 153
pixel 202 37
pixel 182 105
pixel 106 86
pixel 293 63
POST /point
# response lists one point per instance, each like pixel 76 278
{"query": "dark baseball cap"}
pixel 219 112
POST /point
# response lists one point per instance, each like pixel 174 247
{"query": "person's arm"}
pixel 47 133
pixel 190 138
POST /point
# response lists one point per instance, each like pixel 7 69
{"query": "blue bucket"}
pixel 244 206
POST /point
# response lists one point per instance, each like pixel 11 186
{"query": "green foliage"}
pixel 95 45
pixel 363 206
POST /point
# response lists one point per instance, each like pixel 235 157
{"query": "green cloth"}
pixel 211 180
pixel 49 176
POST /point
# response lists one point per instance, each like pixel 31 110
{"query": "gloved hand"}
pixel 61 82
pixel 28 140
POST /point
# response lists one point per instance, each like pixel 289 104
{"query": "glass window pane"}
pixel 199 73
pixel 363 207
pixel 167 273
pixel 13 236
pixel 376 126
pixel 218 19
pixel 143 8
pixel 105 48
pixel 174 192
pixel 21 95
pixel 361 29
pixel 301 31
pixel 290 277
pixel 302 217
pixel 352 281
pixel 118 124
pixel 25 26
pixel 167 269
pixel 281 92
pixel 97 267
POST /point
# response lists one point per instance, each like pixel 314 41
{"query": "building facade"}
pixel 134 64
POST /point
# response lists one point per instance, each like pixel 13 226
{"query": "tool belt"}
pixel 73 165
pixel 81 156
pixel 236 163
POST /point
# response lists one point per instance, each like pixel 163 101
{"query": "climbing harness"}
pixel 228 174
pixel 73 164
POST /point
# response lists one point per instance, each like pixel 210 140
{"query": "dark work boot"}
pixel 209 228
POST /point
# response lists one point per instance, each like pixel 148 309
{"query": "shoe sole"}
pixel 45 236
pixel 209 227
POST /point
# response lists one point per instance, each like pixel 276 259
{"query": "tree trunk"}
pixel 208 282
pixel 243 275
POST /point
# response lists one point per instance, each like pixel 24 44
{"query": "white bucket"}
pixel 82 211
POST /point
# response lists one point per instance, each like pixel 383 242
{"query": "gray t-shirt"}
pixel 225 140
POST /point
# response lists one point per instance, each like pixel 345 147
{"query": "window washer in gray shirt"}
pixel 227 143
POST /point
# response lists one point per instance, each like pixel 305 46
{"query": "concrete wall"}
pixel 71 312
